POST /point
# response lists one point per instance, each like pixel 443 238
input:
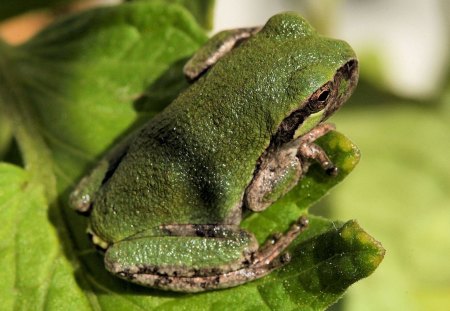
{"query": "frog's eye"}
pixel 323 96
pixel 319 100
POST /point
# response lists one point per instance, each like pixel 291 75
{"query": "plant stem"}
pixel 16 106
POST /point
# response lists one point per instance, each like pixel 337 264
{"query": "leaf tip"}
pixel 372 252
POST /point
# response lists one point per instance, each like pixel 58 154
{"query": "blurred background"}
pixel 399 117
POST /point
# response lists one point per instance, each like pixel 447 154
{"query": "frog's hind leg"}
pixel 185 258
pixel 194 258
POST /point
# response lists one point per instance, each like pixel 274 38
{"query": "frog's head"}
pixel 322 72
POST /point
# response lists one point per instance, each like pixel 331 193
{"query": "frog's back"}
pixel 191 164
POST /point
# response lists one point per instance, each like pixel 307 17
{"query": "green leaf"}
pixel 202 10
pixel 36 274
pixel 68 94
pixel 74 90
pixel 325 262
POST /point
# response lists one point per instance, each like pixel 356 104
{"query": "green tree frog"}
pixel 166 205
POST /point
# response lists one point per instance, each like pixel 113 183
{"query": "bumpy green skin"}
pixel 193 162
pixel 183 253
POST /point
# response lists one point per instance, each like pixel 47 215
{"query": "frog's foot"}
pixel 205 257
pixel 309 150
pixel 273 247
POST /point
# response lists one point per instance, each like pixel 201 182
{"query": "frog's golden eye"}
pixel 323 96
pixel 319 100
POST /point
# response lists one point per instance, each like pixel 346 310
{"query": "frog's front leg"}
pixel 216 47
pixel 280 168
pixel 193 258
pixel 83 195
pixel 309 150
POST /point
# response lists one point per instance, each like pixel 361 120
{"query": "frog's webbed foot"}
pixel 216 47
pixel 277 244
pixel 203 257
pixel 309 150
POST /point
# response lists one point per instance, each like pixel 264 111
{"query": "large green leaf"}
pixel 68 95
pixel 38 275
pixel 202 10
